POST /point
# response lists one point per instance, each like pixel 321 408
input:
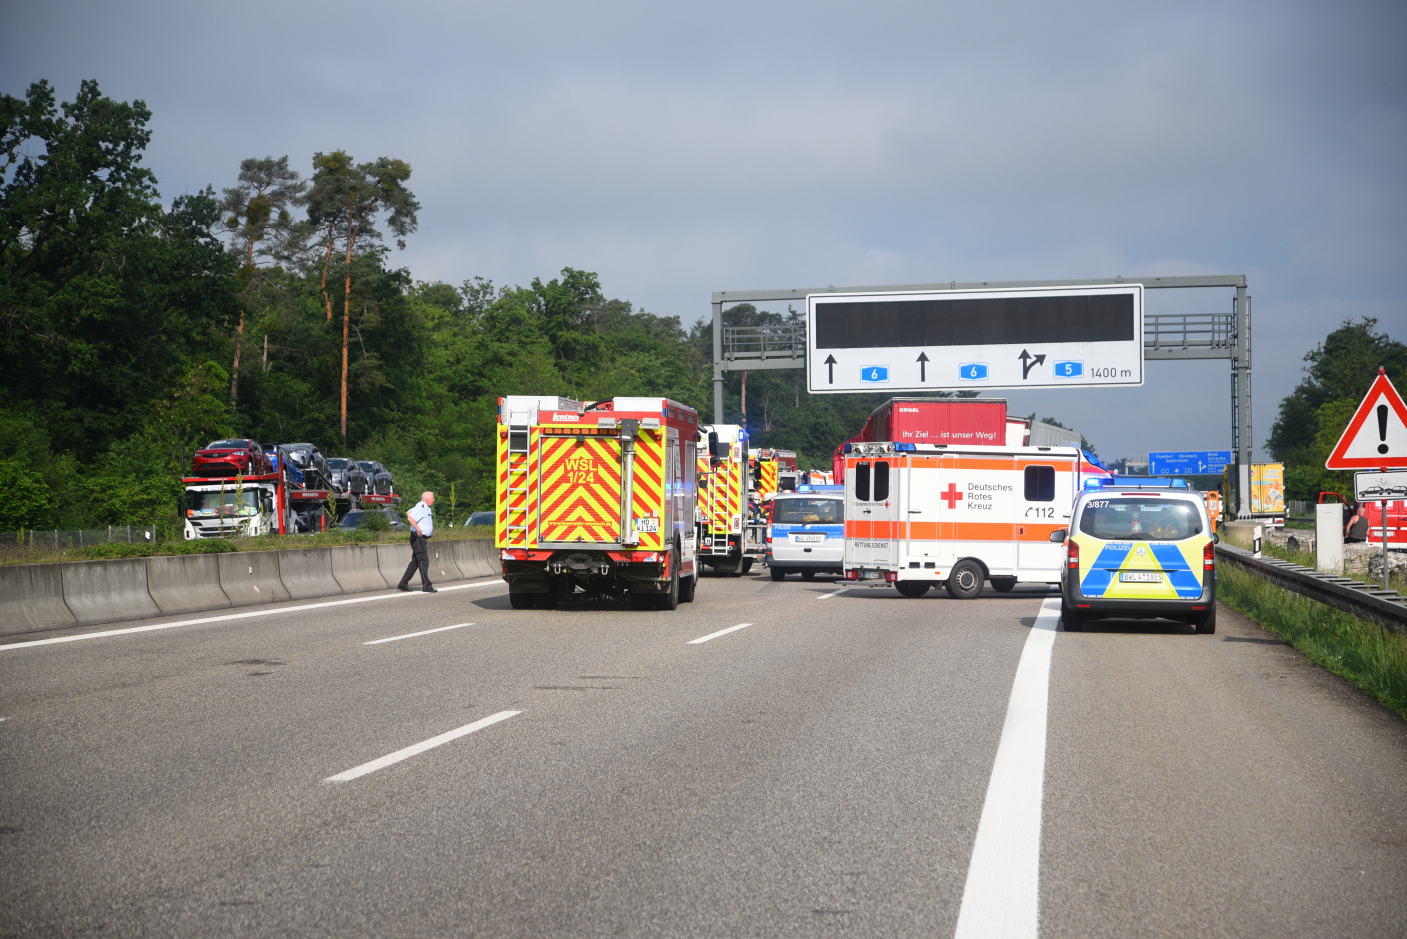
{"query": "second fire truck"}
pixel 729 538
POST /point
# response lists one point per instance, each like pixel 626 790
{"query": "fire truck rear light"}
pixel 1208 558
pixel 512 555
pixel 852 575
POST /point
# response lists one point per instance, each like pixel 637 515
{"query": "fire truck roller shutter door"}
pixel 579 493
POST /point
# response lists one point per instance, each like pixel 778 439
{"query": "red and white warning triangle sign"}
pixel 1377 436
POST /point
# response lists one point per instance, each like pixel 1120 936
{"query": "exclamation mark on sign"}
pixel 1382 427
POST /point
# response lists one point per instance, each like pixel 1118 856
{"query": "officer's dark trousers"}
pixel 419 558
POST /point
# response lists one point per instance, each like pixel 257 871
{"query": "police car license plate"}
pixel 1140 577
pixel 809 539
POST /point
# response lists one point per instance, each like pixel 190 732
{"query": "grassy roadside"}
pixel 1366 654
pixel 120 549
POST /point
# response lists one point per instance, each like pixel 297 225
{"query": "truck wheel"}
pixel 669 600
pixel 911 588
pixel 965 580
pixel 1074 621
pixel 1002 584
pixel 1206 623
pixel 778 575
pixel 688 586
pixel 808 575
pixel 747 564
pixel 520 601
pixel 545 601
pixel 642 601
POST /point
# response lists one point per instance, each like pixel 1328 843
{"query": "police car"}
pixel 1139 548
pixel 807 533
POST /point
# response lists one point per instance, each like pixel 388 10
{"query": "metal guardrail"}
pixel 1384 607
pixel 77 537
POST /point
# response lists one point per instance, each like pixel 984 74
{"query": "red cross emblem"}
pixel 952 496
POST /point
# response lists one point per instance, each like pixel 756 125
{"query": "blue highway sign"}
pixel 1173 462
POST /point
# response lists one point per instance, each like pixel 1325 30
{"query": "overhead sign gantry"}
pixel 905 342
pixel 1208 335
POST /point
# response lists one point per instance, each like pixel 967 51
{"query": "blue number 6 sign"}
pixel 972 371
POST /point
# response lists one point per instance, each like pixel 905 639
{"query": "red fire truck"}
pixel 596 497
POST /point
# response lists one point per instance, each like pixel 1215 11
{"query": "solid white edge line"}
pixel 721 632
pixel 421 747
pixel 231 616
pixel 1002 895
pixel 423 632
pixel 827 596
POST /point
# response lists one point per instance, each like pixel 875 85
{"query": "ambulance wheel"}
pixel 1074 621
pixel 1206 623
pixel 965 580
pixel 808 575
pixel 520 601
pixel 687 588
pixel 1002 584
pixel 911 588
pixel 778 574
pixel 669 600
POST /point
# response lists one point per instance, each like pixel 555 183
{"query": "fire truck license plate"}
pixel 1140 577
pixel 647 524
pixel 809 539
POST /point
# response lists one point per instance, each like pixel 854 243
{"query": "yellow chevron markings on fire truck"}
pixel 769 478
pixel 512 498
pixel 647 492
pixel 579 497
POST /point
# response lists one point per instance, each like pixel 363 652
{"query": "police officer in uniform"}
pixel 422 526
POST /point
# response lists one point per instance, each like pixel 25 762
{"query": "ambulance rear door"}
pixel 871 518
pixel 1045 496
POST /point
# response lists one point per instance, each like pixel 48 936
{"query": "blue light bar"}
pixel 847 447
pixel 906 447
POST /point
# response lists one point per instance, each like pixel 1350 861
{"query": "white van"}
pixel 806 535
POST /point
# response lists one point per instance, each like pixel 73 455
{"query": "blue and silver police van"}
pixel 806 535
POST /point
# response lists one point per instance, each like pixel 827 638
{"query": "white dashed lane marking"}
pixel 418 748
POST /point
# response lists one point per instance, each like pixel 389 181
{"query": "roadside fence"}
pixel 58 539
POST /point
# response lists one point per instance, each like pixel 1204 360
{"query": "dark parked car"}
pixel 379 476
pixel 357 518
pixel 317 474
pixel 235 457
pixel 479 518
pixel 347 476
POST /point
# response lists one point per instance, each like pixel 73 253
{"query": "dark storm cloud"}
pixel 681 151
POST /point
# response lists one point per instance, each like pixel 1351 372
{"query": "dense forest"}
pixel 135 331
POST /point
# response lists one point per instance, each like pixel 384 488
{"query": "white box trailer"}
pixel 921 515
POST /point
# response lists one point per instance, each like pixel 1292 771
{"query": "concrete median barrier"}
pixel 249 577
pixel 32 598
pixel 188 584
pixel 393 559
pixel 307 573
pixel 107 591
pixel 357 569
pixel 478 557
pixel 443 564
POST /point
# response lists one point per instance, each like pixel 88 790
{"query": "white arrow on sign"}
pixel 1380 487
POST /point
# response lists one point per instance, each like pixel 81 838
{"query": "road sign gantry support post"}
pixel 1165 336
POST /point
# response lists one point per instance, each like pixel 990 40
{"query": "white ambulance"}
pixel 921 515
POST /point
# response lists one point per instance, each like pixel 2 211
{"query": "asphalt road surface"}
pixel 846 764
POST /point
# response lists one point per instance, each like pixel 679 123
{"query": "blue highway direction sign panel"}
pixel 1188 462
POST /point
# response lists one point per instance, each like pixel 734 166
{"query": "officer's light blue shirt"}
pixel 423 518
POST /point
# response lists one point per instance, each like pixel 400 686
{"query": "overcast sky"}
pixel 681 149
